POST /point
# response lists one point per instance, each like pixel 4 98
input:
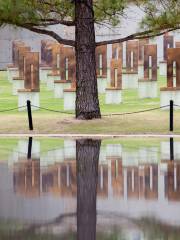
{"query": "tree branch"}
pixel 52 21
pixel 49 33
pixel 139 35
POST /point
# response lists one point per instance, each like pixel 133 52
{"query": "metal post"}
pixel 29 115
pixel 171 120
pixel 29 148
pixel 171 149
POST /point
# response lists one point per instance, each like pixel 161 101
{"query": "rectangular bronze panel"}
pixel 21 61
pixel 116 73
pixel 150 51
pixel 101 51
pixel 142 43
pixel 102 191
pixel 117 51
pixel 68 63
pixel 46 51
pixel 132 48
pixel 168 42
pixel 56 51
pixel 177 45
pixel 15 53
pixel 117 176
pixel 133 177
pixel 173 55
pixel 26 175
pixel 149 190
pixel 173 178
pixel 32 71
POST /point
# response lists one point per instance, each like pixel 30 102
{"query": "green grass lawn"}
pixel 50 122
pixel 131 101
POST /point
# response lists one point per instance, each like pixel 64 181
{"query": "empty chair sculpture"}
pixel 31 82
pixel 147 86
pixel 101 68
pixel 114 92
pixel 168 42
pixel 12 69
pixel 55 64
pixel 142 43
pixel 18 82
pixel 130 76
pixel 46 59
pixel 67 71
pixel 172 91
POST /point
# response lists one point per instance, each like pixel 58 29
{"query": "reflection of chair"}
pixel 173 181
pixel 27 177
pixel 142 182
pixel 102 190
pixel 60 179
pixel 117 176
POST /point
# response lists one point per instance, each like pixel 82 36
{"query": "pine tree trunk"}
pixel 87 178
pixel 87 102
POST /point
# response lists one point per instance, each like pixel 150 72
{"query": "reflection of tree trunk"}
pixel 87 156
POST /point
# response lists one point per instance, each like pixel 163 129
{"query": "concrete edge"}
pixel 93 135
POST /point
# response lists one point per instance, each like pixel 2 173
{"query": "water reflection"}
pixel 116 190
pixel 87 177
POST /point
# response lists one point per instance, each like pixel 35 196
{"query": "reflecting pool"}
pixel 87 189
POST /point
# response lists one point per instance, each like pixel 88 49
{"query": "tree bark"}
pixel 87 156
pixel 87 102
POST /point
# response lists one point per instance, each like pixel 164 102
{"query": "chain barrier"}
pixel 11 109
pixel 141 111
pixel 105 115
pixel 176 105
pixel 51 110
pixel 30 119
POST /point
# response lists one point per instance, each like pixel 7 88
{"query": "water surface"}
pixel 119 189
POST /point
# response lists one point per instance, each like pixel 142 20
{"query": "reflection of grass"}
pixel 47 144
pixel 9 225
pixel 10 230
pixel 135 142
pixel 50 144
pixel 155 230
pixel 150 228
pixel 116 235
pixel 31 236
pixel 6 147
